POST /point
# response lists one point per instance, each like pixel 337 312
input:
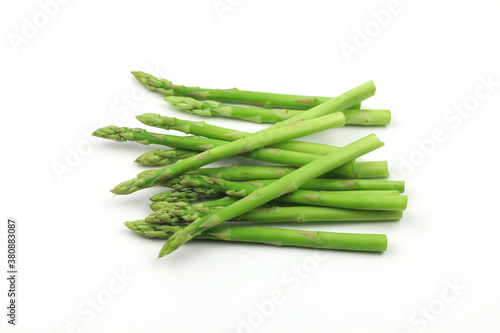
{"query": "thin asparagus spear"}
pixel 280 187
pixel 273 155
pixel 221 133
pixel 364 185
pixel 277 214
pixel 375 169
pixel 272 236
pixel 365 200
pixel 264 99
pixel 244 172
pixel 164 156
pixel 260 115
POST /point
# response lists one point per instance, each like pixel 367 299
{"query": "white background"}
pixel 72 74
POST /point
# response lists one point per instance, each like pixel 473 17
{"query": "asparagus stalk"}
pixel 244 172
pixel 263 99
pixel 277 214
pixel 152 177
pixel 280 187
pixel 364 200
pixel 163 156
pixel 371 169
pixel 220 133
pixel 273 155
pixel 204 206
pixel 271 236
pixel 363 185
pixel 375 169
pixel 260 115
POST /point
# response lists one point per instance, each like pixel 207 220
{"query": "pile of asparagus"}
pixel 312 182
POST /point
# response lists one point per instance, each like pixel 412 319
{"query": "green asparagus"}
pixel 203 207
pixel 271 236
pixel 273 155
pixel 263 99
pixel 320 184
pixel 261 139
pixel 375 169
pixel 277 214
pixel 260 115
pixel 365 200
pixel 220 133
pixel 371 169
pixel 280 187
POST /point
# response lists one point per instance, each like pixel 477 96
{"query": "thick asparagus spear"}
pixel 280 187
pixel 260 115
pixel 273 155
pixel 263 99
pixel 277 214
pixel 365 200
pixel 152 177
pixel 221 133
pixel 164 156
pixel 272 236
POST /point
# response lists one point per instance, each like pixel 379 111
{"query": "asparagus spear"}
pixel 220 133
pixel 245 172
pixel 273 155
pixel 203 206
pixel 364 185
pixel 375 169
pixel 260 115
pixel 152 177
pixel 365 200
pixel 277 214
pixel 163 156
pixel 272 236
pixel 209 185
pixel 280 187
pixel 263 99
